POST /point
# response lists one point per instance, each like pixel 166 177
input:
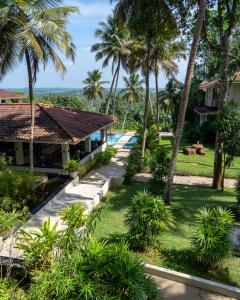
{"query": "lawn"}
pixel 197 164
pixel 174 247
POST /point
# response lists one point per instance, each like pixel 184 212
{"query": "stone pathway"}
pixel 188 180
pixel 172 290
pixel 88 192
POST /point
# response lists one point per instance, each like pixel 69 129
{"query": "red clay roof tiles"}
pixel 52 124
pixel 9 95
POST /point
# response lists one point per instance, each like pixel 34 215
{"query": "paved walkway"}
pixel 88 192
pixel 188 180
pixel 172 290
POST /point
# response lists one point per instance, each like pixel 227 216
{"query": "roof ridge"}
pixel 43 107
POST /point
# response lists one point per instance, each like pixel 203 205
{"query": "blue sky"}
pixel 82 28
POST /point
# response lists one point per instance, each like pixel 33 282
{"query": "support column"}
pixel 19 153
pixel 65 153
pixel 88 145
pixel 104 135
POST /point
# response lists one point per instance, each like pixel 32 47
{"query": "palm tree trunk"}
pixel 184 101
pixel 30 88
pixel 217 171
pixel 157 98
pixel 145 120
pixel 125 118
pixel 116 85
pixel 110 93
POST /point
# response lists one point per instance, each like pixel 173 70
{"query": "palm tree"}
pixel 184 101
pixel 94 86
pixel 163 56
pixel 39 29
pixel 114 47
pixel 133 91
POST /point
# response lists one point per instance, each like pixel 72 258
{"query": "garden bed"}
pixel 174 247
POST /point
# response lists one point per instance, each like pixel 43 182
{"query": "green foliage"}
pixel 159 169
pixel 102 159
pixel 73 165
pixel 8 221
pixel 10 291
pixel 38 245
pixel 16 189
pixel 238 190
pixel 96 271
pixel 69 101
pixel 211 236
pixel 147 217
pixel 152 140
pixel 111 149
pixel 4 161
pixel 133 164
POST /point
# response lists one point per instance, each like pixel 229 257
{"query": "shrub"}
pixel 4 161
pixel 10 291
pixel 147 217
pixel 96 271
pixel 238 190
pixel 133 164
pixel 159 169
pixel 8 221
pixel 102 159
pixel 111 149
pixel 71 165
pixel 211 237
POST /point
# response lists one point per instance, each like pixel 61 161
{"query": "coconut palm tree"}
pixel 184 101
pixel 94 89
pixel 133 91
pixel 114 47
pixel 40 29
pixel 163 56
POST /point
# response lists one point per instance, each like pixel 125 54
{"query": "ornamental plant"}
pixel 211 237
pixel 71 165
pixel 147 217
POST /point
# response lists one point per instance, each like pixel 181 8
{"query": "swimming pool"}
pixel 131 142
pixel 112 138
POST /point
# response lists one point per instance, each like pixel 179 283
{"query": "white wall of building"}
pixel 234 91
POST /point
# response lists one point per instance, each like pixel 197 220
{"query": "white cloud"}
pixel 94 9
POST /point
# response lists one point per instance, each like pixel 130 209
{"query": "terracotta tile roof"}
pixel 52 124
pixel 206 84
pixel 204 110
pixel 9 95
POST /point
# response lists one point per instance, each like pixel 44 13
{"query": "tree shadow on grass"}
pixel 184 261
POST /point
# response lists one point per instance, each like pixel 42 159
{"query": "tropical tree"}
pixel 39 29
pixel 114 47
pixel 147 22
pixel 163 56
pixel 223 17
pixel 184 101
pixel 133 91
pixel 94 89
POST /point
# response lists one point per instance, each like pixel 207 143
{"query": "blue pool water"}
pixel 111 138
pixel 131 142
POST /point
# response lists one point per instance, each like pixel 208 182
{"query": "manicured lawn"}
pixel 174 246
pixel 197 164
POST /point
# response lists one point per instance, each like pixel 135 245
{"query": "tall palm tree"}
pixel 40 29
pixel 184 101
pixel 163 56
pixel 114 47
pixel 133 91
pixel 94 89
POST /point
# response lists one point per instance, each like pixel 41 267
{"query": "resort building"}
pixel 10 97
pixel 211 89
pixel 60 134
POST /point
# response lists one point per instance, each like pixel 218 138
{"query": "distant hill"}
pixel 46 91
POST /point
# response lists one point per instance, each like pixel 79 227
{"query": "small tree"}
pixel 147 217
pixel 228 124
pixel 238 190
pixel 159 169
pixel 211 237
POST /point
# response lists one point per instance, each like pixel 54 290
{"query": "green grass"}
pixel 196 164
pixel 174 247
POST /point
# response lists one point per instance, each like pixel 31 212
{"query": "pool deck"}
pixel 88 191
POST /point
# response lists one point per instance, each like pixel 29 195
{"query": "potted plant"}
pixel 72 166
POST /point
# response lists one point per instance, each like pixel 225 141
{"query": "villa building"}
pixel 9 97
pixel 60 134
pixel 212 89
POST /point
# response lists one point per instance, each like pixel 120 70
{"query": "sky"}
pixel 82 28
